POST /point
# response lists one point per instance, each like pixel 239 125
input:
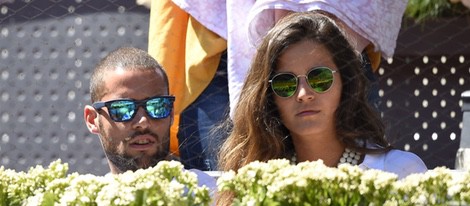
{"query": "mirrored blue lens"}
pixel 122 110
pixel 159 108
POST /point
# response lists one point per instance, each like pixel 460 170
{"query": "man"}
pixel 132 111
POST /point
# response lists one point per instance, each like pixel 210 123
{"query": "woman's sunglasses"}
pixel 123 110
pixel 320 80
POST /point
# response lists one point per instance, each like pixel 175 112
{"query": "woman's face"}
pixel 308 113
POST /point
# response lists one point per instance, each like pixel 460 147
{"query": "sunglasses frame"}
pixel 138 103
pixel 306 78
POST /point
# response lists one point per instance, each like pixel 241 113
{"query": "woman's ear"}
pixel 91 119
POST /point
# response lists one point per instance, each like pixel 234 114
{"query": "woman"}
pixel 304 99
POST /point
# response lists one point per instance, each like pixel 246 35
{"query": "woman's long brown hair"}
pixel 256 130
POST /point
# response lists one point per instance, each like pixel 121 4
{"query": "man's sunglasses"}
pixel 320 80
pixel 123 110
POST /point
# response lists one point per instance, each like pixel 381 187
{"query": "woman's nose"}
pixel 304 91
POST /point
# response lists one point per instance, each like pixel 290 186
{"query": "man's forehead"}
pixel 150 73
pixel 135 84
pixel 119 70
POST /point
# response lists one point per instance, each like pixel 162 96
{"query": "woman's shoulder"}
pixel 403 157
pixel 400 162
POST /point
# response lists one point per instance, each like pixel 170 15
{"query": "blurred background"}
pixel 49 47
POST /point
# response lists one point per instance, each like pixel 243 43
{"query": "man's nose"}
pixel 141 119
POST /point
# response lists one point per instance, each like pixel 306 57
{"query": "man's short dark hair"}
pixel 127 58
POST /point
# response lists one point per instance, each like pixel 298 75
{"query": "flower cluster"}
pixel 165 184
pixel 277 182
pixel 17 186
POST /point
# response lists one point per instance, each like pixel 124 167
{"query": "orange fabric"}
pixel 374 57
pixel 188 52
pixel 164 17
pixel 174 144
pixel 203 52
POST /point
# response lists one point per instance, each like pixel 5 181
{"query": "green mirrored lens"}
pixel 122 110
pixel 284 85
pixel 320 79
pixel 159 107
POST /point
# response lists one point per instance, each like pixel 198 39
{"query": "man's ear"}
pixel 91 119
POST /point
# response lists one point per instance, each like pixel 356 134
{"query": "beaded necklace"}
pixel 349 157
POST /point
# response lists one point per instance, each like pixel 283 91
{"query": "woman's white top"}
pixel 399 162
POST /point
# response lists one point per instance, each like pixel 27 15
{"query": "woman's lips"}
pixel 307 113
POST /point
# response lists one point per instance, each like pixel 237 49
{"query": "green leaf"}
pixel 48 199
pixel 423 10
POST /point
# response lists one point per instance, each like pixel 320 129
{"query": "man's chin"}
pixel 135 162
pixel 147 162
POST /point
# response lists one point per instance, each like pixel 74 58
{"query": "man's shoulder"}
pixel 204 178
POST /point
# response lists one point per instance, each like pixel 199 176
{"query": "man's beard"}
pixel 125 162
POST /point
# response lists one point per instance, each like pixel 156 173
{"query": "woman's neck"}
pixel 329 149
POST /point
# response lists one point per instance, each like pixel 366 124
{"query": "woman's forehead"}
pixel 303 56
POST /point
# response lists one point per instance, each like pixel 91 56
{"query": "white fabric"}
pixel 462 160
pixel 207 180
pixel 398 162
pixel 239 51
pixel 248 20
pixel 379 21
pixel 210 13
pixel 227 19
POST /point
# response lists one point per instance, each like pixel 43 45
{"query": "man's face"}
pixel 141 142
